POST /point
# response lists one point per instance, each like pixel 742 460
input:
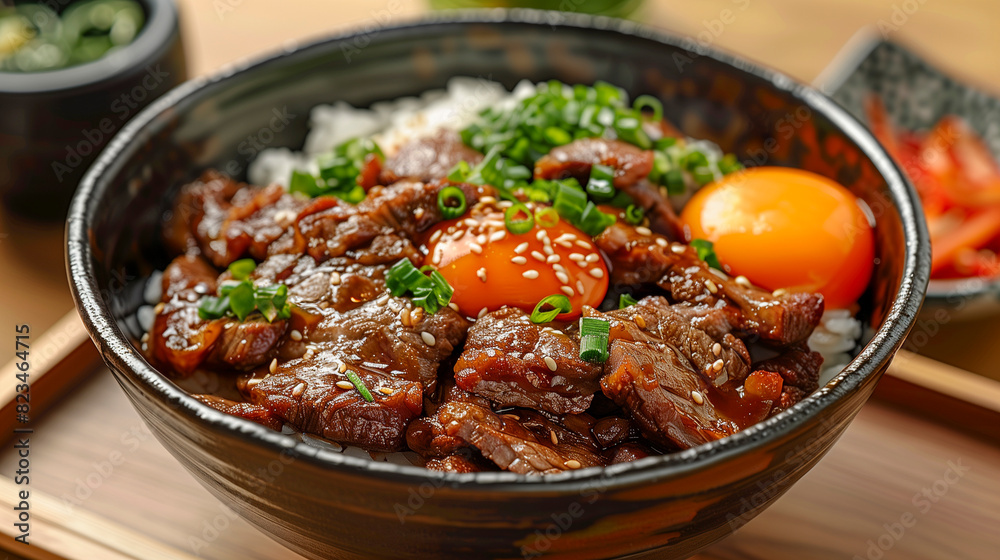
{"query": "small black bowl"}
pixel 325 504
pixel 54 124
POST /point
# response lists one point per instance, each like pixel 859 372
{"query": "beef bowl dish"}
pixel 542 290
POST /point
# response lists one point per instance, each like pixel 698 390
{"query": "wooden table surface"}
pixel 796 36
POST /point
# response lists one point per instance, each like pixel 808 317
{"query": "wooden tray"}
pixel 101 487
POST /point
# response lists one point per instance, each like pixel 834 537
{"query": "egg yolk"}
pixel 786 228
pixel 490 267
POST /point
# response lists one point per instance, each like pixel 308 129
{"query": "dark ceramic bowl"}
pixel 54 124
pixel 328 505
pixel 916 96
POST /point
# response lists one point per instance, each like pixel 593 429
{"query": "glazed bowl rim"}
pixel 125 359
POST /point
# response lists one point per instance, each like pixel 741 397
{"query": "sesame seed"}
pixel 145 337
pixel 416 315
pixel 298 390
pixel 697 398
pixel 345 385
pixel 488 200
pixel 335 279
pixel 639 321
pixel 567 290
pixel 572 464
pixel 538 256
pixel 482 312
pixel 577 257
pixel 497 236
pixel 436 236
pixel 309 354
pixel 476 248
pixel 717 349
pixel 418 212
pixel 542 234
pixel 481 273
pixel 717 365
pixel 274 366
pixel 521 248
pixel 553 437
pixel 404 318
pixel 564 244
pixel 597 273
pixel 295 335
pixel 505 204
pixel 548 250
pixel 579 286
pixel 593 257
pixel 779 292
pixel 481 239
pixel 437 257
pixel 743 281
pixel 382 300
pixel 519 260
pixel 566 237
pixel 643 230
pixel 552 259
pixel 530 274
pixel 453 306
pixel 394 306
pixel 582 244
pixel 562 276
pixel 550 363
pixel 159 308
pixel 677 248
pixel 512 416
pixel 470 222
pixel 385 390
pixel 558 267
pixel 342 368
pixel 428 338
pixel 711 286
pixel 661 242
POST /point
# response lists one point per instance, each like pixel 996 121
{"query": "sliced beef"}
pixel 522 441
pixel 628 452
pixel 638 259
pixel 460 464
pixel 799 369
pixel 248 344
pixel 508 360
pixel 180 338
pixel 252 412
pixel 657 207
pixel 383 335
pixel 304 392
pixel 720 360
pixel 410 208
pixel 662 392
pixel 427 159
pixel 225 220
pixel 630 162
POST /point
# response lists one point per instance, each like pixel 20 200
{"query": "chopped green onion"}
pixel 338 171
pixel 304 183
pixel 634 214
pixel 359 385
pixel 547 217
pixel 601 186
pixel 518 226
pixel 451 202
pixel 460 172
pixel 430 292
pixel 626 300
pixel 569 201
pixel 729 164
pixel 242 298
pixel 649 102
pixel 703 175
pixel 674 181
pixel 594 335
pixel 242 268
pixel 212 307
pixel 557 303
pixel 706 252
pixel 593 221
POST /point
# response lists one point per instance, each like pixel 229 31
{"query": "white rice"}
pixel 393 123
